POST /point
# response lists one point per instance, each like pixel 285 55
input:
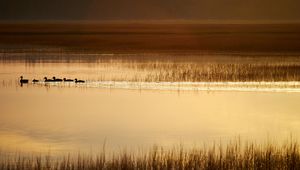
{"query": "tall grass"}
pixel 237 72
pixel 169 67
pixel 208 72
pixel 230 156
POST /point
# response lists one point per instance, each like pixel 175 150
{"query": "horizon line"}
pixel 154 21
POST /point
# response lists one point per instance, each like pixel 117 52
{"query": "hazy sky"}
pixel 149 9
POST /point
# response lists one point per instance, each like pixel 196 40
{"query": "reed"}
pixel 213 72
pixel 229 156
pixel 204 72
pixel 170 67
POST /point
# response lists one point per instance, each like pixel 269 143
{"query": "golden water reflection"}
pixel 73 118
pixel 65 119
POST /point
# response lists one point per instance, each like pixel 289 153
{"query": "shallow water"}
pixel 66 117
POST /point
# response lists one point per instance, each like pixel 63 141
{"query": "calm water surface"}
pixel 65 118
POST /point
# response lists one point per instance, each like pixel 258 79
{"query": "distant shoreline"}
pixel 132 37
pixel 153 21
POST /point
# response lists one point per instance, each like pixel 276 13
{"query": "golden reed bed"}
pixel 230 156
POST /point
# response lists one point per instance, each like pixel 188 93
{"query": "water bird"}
pixel 79 81
pixel 23 80
pixel 68 80
pixel 48 80
pixel 35 81
pixel 57 80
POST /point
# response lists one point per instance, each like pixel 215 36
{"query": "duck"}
pixel 79 81
pixel 57 80
pixel 23 80
pixel 68 80
pixel 48 80
pixel 35 81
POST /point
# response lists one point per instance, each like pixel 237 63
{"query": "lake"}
pixel 119 106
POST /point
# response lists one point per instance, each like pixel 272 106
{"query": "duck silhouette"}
pixel 79 81
pixel 48 80
pixel 57 80
pixel 23 81
pixel 35 81
pixel 68 80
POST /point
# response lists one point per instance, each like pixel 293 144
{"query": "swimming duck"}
pixel 48 80
pixel 79 81
pixel 23 80
pixel 57 80
pixel 35 81
pixel 68 80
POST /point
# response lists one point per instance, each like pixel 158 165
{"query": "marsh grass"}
pixel 219 72
pixel 231 156
pixel 201 72
pixel 168 67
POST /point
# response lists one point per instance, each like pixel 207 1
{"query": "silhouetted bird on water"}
pixel 79 81
pixel 57 80
pixel 35 81
pixel 68 80
pixel 48 80
pixel 23 81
